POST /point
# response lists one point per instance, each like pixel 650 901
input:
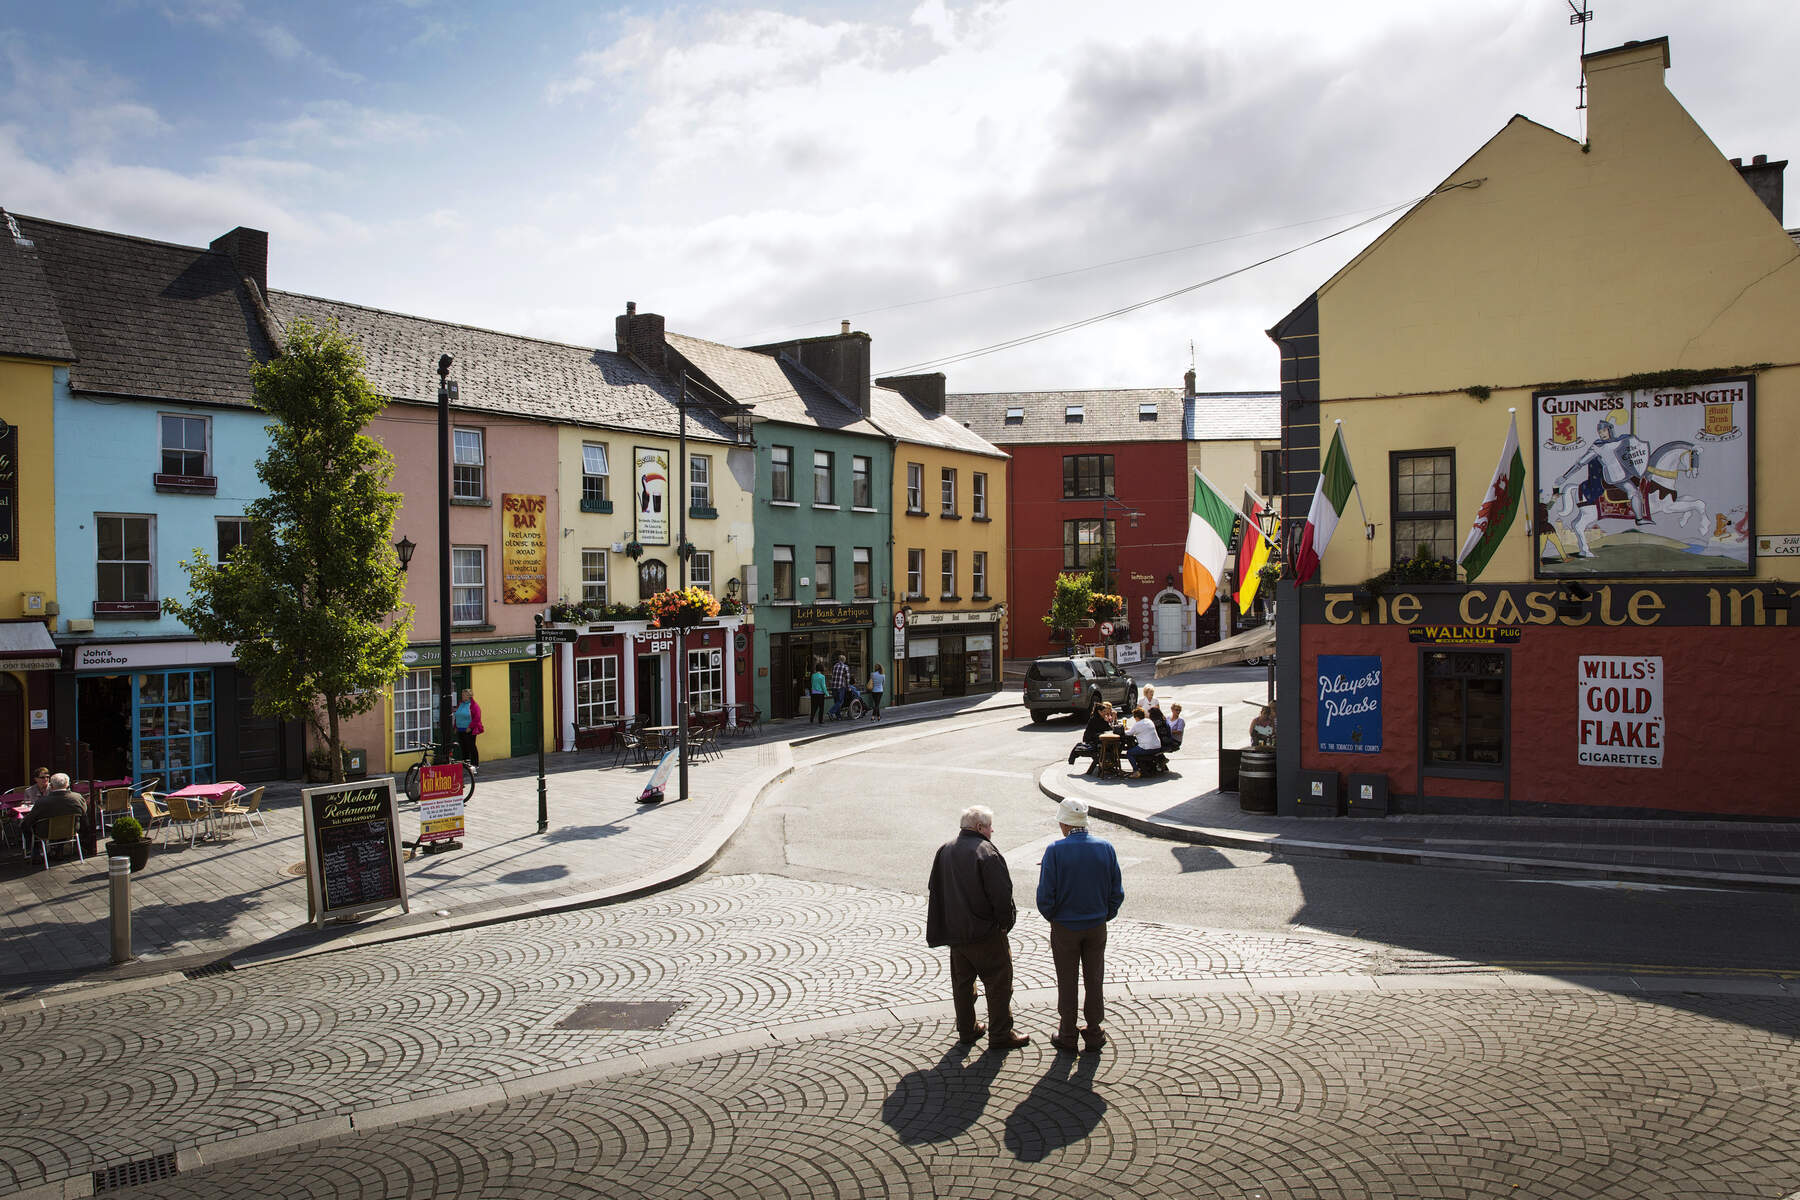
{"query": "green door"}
pixel 526 684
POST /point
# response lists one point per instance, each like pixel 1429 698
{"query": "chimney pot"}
pixel 1737 162
pixel 631 308
pixel 844 327
pixel 1759 160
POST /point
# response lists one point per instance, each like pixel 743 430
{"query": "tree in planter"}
pixel 1070 604
pixel 308 596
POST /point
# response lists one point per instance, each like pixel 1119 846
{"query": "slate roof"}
pixel 30 325
pixel 777 389
pixel 1109 415
pixel 504 373
pixel 910 422
pixel 1232 416
pixel 149 318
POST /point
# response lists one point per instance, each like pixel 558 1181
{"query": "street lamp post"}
pixel 681 554
pixel 447 392
pixel 1109 553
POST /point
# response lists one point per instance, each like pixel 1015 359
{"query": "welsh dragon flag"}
pixel 1336 482
pixel 1210 520
pixel 1498 507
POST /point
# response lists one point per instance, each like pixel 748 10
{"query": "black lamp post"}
pixel 447 392
pixel 1109 553
pixel 682 551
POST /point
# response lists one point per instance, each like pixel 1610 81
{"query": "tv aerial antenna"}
pixel 1581 16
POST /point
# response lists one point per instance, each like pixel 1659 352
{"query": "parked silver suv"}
pixel 1074 683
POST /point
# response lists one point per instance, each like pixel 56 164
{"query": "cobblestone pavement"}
pixel 94 1080
pixel 1307 1094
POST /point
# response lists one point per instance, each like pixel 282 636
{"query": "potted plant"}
pixel 128 842
pixel 318 765
pixel 681 608
pixel 1105 606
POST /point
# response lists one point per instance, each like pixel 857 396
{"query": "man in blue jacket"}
pixel 1079 891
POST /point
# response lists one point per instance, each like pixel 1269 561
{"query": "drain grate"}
pixel 622 1014
pixel 134 1174
pixel 221 967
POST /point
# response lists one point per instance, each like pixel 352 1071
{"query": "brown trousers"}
pixel 990 959
pixel 1084 949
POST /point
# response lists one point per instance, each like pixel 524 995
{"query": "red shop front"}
pixel 618 670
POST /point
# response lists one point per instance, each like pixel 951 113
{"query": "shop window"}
pixel 596 690
pixel 706 680
pixel 174 727
pixel 915 487
pixel 978 495
pixel 184 446
pixel 861 493
pixel 233 532
pixel 915 574
pixel 653 577
pixel 593 576
pixel 825 573
pixel 861 582
pixel 700 572
pixel 415 710
pixel 978 658
pixel 824 483
pixel 468 471
pixel 947 491
pixel 1086 542
pixel 947 570
pixel 1465 710
pixel 784 573
pixel 468 585
pixel 125 545
pixel 1424 490
pixel 596 477
pixel 781 473
pixel 700 482
pixel 978 574
pixel 922 665
pixel 1087 475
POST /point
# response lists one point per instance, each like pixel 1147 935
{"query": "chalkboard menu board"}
pixel 353 861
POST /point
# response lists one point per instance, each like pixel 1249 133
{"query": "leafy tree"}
pixel 310 596
pixel 1070 603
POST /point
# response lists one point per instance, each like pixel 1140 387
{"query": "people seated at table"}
pixel 1102 720
pixel 1145 744
pixel 60 802
pixel 1177 727
pixel 40 785
pixel 1153 709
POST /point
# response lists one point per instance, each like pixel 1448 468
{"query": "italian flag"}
pixel 1336 482
pixel 1499 506
pixel 1209 532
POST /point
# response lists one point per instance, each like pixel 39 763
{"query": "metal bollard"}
pixel 118 873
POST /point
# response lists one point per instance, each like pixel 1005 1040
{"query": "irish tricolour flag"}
pixel 1336 482
pixel 1498 507
pixel 1209 532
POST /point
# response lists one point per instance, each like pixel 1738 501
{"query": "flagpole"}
pixel 1355 482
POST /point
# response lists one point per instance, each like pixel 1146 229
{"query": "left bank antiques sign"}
pixel 652 475
pixel 1646 481
pixel 1619 711
pixel 524 550
pixel 1350 703
pixel 828 616
pixel 9 492
pixel 353 862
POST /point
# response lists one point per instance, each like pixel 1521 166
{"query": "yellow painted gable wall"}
pixel 933 533
pixel 1646 253
pixel 26 400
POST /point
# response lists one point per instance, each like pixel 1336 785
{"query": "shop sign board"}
pixel 352 837
pixel 1620 710
pixel 1350 703
pixel 9 491
pixel 1464 635
pixel 440 803
pixel 830 616
pixel 120 659
pixel 524 551
pixel 651 472
pixel 425 654
pixel 1128 652
pixel 1778 545
pixel 1645 481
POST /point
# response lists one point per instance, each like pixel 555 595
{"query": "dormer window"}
pixel 1074 413
pixel 1015 416
pixel 1146 412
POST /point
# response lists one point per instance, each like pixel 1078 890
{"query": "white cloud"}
pixel 336 125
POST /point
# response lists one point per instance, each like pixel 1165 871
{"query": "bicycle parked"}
pixel 428 755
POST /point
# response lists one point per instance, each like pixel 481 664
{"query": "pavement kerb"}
pixel 1052 781
pixel 317 1130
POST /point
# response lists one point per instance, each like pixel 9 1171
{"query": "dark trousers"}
pixel 465 748
pixel 818 708
pixel 874 699
pixel 1083 949
pixel 990 960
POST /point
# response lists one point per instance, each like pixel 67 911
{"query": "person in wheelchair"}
pixel 1102 720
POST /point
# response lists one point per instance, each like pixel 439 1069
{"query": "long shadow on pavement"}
pixel 1063 1108
pixel 941 1103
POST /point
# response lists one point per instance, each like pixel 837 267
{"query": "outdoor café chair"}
pixel 156 816
pixel 245 808
pixel 144 785
pixel 624 742
pixel 60 831
pixel 183 811
pixel 115 802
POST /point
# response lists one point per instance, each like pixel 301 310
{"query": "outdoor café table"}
pixel 658 738
pixel 1109 754
pixel 208 795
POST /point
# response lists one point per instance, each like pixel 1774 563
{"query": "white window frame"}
pixel 596 576
pixel 947 572
pixel 781 466
pixel 699 481
pixel 415 709
pixel 978 494
pixel 915 573
pixel 466 589
pixel 242 525
pixel 1075 414
pixel 947 490
pixel 862 574
pixel 595 485
pixel 706 679
pixel 700 570
pixel 149 563
pixel 824 461
pixel 468 472
pixel 978 574
pixel 205 450
pixel 915 487
pixel 596 690
pixel 782 554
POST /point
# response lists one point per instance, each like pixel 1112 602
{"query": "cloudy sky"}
pixel 947 174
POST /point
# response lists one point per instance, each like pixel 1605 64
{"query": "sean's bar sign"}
pixel 1620 711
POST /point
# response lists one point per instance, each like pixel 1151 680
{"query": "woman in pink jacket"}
pixel 468 724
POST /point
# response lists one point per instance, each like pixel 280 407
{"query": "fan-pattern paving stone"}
pixel 1445 1093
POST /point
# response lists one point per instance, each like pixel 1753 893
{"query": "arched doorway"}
pixel 1169 622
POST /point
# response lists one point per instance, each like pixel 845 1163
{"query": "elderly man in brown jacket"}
pixel 971 911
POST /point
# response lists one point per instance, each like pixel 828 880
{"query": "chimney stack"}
pixel 926 391
pixel 841 360
pixel 641 336
pixel 1765 179
pixel 1188 380
pixel 843 327
pixel 248 250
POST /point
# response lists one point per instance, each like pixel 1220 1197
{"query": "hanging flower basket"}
pixel 681 609
pixel 1105 606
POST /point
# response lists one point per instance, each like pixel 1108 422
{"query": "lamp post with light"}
pixel 447 391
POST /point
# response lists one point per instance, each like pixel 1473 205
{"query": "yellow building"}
pixel 950 540
pixel 34 359
pixel 1631 301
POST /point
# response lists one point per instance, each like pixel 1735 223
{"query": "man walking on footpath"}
pixel 971 911
pixel 840 685
pixel 1079 891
